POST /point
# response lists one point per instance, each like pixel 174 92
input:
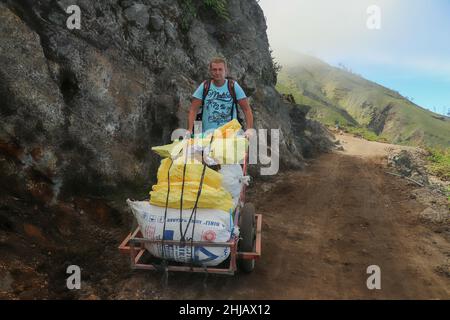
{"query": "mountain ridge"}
pixel 338 95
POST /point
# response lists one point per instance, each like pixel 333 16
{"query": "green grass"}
pixel 326 114
pixel 337 95
pixel 364 133
pixel 189 9
pixel 219 7
pixel 439 162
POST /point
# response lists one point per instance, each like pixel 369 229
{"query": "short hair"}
pixel 218 60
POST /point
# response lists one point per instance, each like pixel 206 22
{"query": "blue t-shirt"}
pixel 218 103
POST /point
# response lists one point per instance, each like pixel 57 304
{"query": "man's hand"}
pixel 188 134
pixel 249 133
pixel 245 106
pixel 193 110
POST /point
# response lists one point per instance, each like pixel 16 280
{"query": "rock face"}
pixel 80 109
pixel 409 164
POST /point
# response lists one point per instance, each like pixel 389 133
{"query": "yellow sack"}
pixel 229 150
pixel 213 195
pixel 209 198
pixel 228 130
pixel 193 174
pixel 224 151
pixel 169 150
pixel 226 148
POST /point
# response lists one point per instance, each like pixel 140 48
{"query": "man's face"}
pixel 218 71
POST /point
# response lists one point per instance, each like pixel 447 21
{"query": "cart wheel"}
pixel 247 230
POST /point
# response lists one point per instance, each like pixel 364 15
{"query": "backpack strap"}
pixel 233 95
pixel 206 86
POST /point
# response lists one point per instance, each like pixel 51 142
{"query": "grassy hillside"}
pixel 338 95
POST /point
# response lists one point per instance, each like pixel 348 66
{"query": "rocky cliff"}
pixel 80 109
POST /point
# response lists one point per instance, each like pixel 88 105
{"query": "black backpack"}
pixel 206 86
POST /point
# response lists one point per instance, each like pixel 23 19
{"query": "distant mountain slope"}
pixel 338 95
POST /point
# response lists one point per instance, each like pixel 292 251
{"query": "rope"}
pixel 194 210
pixel 195 215
pixel 205 279
pixel 182 239
pixel 165 211
pixel 165 276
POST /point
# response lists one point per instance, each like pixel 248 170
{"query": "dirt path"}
pixel 322 228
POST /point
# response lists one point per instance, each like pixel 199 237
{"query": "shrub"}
pixel 364 133
pixel 439 162
pixel 219 7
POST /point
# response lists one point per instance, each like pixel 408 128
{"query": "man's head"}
pixel 218 69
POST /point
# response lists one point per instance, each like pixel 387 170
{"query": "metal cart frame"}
pixel 134 246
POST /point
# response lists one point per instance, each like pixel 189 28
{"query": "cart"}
pixel 244 250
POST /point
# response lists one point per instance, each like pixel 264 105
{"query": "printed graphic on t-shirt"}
pixel 218 107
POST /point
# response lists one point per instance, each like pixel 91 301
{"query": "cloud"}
pixel 320 25
pixel 428 64
pixel 423 64
pixel 410 36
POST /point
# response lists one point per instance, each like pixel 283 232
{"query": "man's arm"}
pixel 247 112
pixel 193 110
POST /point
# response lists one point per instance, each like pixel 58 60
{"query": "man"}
pixel 219 107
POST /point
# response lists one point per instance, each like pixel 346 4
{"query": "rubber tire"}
pixel 247 235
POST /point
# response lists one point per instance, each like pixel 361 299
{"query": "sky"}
pixel 407 48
